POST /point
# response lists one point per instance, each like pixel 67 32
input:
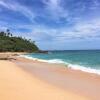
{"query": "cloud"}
pixel 3 28
pixel 58 22
pixel 88 27
pixel 55 9
pixel 95 5
pixel 17 7
pixel 80 31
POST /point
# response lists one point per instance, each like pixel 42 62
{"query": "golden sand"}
pixel 17 84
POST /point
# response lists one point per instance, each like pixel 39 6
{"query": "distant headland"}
pixel 10 43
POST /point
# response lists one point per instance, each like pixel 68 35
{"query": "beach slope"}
pixel 16 84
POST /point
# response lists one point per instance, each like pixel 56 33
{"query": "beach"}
pixel 24 79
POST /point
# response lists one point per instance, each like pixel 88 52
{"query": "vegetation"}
pixel 10 43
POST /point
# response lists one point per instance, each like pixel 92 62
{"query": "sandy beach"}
pixel 24 79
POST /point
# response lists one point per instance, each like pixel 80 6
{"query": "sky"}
pixel 54 24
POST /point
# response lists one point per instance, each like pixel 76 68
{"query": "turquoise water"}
pixel 86 60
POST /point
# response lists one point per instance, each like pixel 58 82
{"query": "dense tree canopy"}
pixel 10 43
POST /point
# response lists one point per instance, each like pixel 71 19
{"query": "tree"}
pixel 13 44
pixel 8 32
pixel 11 35
pixel 2 33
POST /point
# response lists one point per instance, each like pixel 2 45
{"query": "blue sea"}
pixel 84 60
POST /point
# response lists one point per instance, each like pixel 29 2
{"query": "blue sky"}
pixel 54 24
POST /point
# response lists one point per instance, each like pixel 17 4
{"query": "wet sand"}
pixel 78 82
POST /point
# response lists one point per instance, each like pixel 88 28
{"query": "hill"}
pixel 10 43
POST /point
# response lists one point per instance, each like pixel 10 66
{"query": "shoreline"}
pixel 86 85
pixel 16 55
pixel 68 65
pixel 75 81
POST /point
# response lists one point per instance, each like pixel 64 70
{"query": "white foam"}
pixel 56 61
pixel 29 57
pixel 85 69
pixel 72 66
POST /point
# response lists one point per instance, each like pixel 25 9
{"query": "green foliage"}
pixel 9 43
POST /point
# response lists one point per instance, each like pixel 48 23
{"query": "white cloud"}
pixel 55 9
pixel 79 30
pixel 88 27
pixel 2 28
pixel 95 5
pixel 15 6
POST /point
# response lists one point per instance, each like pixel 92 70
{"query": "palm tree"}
pixel 8 32
pixel 2 33
pixel 11 35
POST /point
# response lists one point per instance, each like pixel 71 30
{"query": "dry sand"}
pixel 18 84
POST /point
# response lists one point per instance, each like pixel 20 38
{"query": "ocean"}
pixel 84 60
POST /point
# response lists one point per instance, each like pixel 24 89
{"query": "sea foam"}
pixel 69 65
